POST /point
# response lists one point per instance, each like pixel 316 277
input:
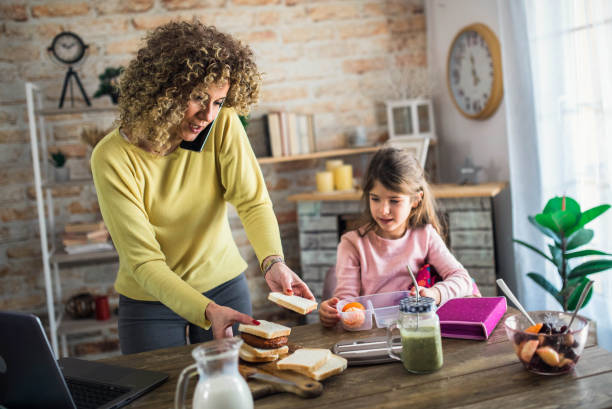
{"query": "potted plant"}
pixel 58 161
pixel 108 84
pixel 563 222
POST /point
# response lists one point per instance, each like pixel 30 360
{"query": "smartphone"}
pixel 198 143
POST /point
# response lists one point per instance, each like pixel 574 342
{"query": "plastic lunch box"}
pixel 383 308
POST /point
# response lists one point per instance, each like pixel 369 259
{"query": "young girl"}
pixel 400 228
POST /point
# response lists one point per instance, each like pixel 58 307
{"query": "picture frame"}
pixel 417 146
pixel 410 118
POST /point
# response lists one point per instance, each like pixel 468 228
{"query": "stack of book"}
pixel 86 237
pixel 291 133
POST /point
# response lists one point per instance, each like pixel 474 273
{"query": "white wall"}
pixel 485 141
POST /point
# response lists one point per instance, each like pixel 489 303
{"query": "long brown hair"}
pixel 399 171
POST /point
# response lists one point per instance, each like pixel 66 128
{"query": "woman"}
pixel 163 182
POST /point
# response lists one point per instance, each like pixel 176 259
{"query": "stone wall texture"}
pixel 334 59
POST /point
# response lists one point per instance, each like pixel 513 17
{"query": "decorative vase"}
pixel 62 174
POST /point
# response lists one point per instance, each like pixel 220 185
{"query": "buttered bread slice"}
pixel 265 329
pixel 305 359
pixel 293 302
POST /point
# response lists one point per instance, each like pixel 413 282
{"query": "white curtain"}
pixel 566 43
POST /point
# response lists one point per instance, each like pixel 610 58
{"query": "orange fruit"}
pixel 352 305
pixel 354 317
pixel 534 329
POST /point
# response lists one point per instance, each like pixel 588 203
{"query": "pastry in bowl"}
pixel 549 347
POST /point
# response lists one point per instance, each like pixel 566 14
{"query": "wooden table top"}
pixel 476 374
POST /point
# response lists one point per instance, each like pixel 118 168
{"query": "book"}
pixel 471 317
pixel 82 227
pixel 89 247
pixel 274 134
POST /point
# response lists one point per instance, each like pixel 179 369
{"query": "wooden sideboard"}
pixel 467 210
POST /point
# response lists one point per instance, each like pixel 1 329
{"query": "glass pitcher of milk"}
pixel 220 385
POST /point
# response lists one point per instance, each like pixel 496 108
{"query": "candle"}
pixel 325 182
pixel 343 177
pixel 330 165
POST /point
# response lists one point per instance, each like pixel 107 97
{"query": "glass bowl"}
pixel 547 349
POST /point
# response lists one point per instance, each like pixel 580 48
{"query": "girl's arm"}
pixel 456 280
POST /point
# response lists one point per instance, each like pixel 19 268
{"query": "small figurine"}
pixel 468 172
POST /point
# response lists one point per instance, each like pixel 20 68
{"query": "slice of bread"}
pixel 293 302
pixel 306 359
pixel 265 329
pixel 245 355
pixel 265 352
pixel 333 366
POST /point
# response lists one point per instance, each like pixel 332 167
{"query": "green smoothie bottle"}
pixel 420 330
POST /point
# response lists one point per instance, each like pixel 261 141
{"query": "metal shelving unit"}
pixel 52 255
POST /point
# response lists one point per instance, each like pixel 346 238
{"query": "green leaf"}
pixel 578 287
pixel 530 247
pixel 542 282
pixel 550 233
pixel 556 204
pixel 584 253
pixel 579 238
pixel 590 267
pixel 590 215
pixel 546 220
pixel 565 221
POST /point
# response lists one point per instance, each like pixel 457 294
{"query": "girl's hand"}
pixel 282 279
pixel 432 292
pixel 328 314
pixel 222 319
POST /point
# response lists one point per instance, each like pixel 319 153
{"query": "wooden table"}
pixel 476 374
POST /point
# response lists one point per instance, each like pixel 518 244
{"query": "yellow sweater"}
pixel 167 215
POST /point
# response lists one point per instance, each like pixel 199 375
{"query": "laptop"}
pixel 30 377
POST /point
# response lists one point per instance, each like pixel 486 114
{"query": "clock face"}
pixel 68 47
pixel 474 74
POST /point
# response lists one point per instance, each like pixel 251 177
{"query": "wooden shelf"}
pixel 76 326
pixel 440 191
pixel 318 155
pixel 92 256
pixel 78 110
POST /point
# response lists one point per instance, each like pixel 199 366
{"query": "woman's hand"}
pixel 282 279
pixel 328 314
pixel 432 292
pixel 222 318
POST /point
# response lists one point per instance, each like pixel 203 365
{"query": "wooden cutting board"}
pixel 303 386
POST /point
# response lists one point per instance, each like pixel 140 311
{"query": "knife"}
pixel 292 383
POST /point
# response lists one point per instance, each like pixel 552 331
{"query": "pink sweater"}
pixel 371 264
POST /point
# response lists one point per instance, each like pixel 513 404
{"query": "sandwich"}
pixel 293 302
pixel 264 342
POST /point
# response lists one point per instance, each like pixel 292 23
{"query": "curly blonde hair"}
pixel 179 61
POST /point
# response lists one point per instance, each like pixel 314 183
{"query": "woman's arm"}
pixel 245 188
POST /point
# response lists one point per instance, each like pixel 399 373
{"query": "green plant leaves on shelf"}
pixel 589 215
pixel 542 282
pixel 590 267
pixel 584 253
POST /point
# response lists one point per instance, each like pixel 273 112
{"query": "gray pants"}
pixel 148 325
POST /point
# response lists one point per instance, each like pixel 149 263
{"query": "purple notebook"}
pixel 472 317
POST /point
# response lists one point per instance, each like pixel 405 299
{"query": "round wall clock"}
pixel 474 71
pixel 68 47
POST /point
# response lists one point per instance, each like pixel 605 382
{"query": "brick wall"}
pixel 334 59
